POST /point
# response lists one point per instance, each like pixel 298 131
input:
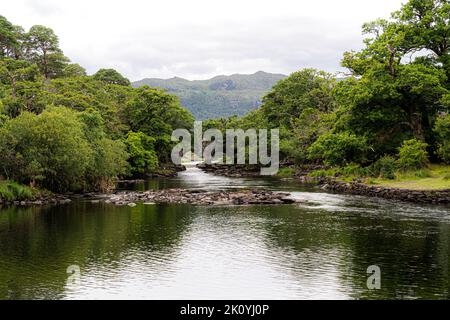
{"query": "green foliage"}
pixel 384 168
pixel 442 131
pixel 111 76
pixel 412 155
pixel 65 131
pixel 54 151
pixel 156 114
pixel 42 48
pixel 140 147
pixel 109 157
pixel 12 191
pixel 305 89
pixel 286 172
pixel 339 149
pixel 49 149
pixel 73 70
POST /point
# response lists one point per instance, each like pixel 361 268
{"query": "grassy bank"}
pixel 433 177
pixel 13 191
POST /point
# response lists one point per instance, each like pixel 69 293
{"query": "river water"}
pixel 318 249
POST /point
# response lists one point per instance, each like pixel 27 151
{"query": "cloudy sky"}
pixel 198 39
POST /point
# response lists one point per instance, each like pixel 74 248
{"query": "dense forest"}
pixel 388 113
pixel 62 130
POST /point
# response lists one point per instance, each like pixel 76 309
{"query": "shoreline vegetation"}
pixel 385 124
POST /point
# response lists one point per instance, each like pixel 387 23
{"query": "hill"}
pixel 221 96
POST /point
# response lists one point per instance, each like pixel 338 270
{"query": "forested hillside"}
pixel 65 131
pixel 221 96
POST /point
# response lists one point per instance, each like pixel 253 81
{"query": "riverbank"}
pixel 13 193
pixel 357 186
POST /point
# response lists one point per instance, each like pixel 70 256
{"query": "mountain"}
pixel 221 96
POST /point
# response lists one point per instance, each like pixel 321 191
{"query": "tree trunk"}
pixel 415 121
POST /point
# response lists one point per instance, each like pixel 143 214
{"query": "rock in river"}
pixel 200 197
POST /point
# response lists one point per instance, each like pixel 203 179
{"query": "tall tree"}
pixel 398 87
pixel 43 49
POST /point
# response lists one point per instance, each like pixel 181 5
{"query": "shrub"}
pixel 384 167
pixel 353 170
pixel 286 172
pixel 412 155
pixel 11 191
pixel 442 130
pixel 324 173
pixel 422 173
pixel 338 149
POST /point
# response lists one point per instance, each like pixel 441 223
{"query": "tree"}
pixel 73 70
pixel 156 114
pixel 24 86
pixel 396 90
pixel 303 89
pixel 425 25
pixel 111 76
pixel 43 49
pixel 49 149
pixel 109 157
pixel 140 147
pixel 10 39
pixel 339 149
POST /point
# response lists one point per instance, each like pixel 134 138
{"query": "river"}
pixel 318 249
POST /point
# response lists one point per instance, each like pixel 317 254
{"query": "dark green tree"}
pixel 111 76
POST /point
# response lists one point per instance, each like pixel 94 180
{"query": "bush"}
pixel 339 149
pixel 423 173
pixel 412 155
pixel 353 170
pixel 12 191
pixel 321 173
pixel 384 167
pixel 442 130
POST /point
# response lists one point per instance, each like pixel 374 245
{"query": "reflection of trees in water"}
pixel 38 244
pixel 413 255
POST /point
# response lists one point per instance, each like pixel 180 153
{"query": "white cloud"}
pixel 202 38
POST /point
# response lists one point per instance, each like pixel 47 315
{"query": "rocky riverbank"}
pixel 199 197
pixel 331 184
pixel 38 201
pixel 418 196
pixel 231 170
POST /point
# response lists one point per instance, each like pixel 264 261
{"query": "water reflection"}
pixel 320 248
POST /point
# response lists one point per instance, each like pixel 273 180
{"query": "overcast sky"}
pixel 198 39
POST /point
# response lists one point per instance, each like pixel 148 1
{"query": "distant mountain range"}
pixel 221 96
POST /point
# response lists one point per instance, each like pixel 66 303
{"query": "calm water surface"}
pixel 319 249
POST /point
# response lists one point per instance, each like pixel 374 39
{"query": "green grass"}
pixel 435 177
pixel 13 191
pixel 286 172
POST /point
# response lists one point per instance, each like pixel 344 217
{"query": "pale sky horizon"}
pixel 200 39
